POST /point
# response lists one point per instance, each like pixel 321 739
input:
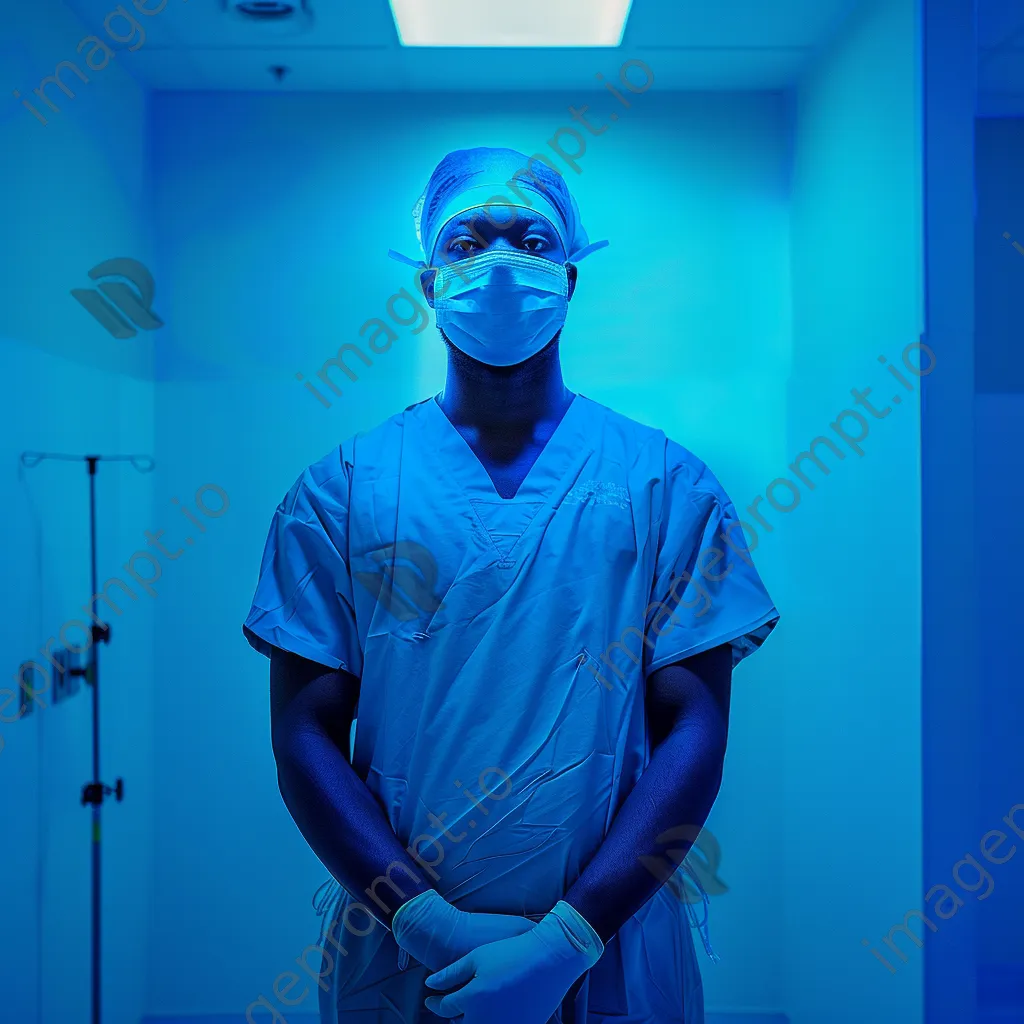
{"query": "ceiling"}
pixel 688 44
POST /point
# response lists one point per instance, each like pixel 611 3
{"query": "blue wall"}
pixel 952 742
pixel 851 749
pixel 74 195
pixel 999 554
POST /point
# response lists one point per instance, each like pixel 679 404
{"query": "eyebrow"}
pixel 473 220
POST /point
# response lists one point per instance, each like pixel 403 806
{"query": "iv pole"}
pixel 95 791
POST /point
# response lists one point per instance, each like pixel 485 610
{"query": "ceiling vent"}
pixel 271 17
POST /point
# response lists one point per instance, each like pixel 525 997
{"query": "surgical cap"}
pixel 467 179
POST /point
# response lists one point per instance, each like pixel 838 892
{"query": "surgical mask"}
pixel 501 306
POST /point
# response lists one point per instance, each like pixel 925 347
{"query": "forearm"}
pixel 687 707
pixel 342 821
pixel 678 787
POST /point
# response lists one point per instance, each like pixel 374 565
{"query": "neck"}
pixel 500 398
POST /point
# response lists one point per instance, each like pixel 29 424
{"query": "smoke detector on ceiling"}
pixel 271 17
pixel 265 8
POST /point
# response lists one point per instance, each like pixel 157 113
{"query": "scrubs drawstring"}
pixel 701 925
pixel 331 889
pixel 321 904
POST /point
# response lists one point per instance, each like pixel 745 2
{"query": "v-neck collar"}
pixel 547 469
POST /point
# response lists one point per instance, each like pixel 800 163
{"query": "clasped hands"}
pixel 495 968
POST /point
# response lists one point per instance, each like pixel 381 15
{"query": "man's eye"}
pixel 534 243
pixel 461 245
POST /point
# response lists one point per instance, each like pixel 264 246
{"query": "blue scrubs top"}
pixel 502 647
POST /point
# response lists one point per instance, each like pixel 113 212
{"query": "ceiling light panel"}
pixel 498 23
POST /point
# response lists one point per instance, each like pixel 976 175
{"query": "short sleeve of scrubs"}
pixel 303 602
pixel 707 591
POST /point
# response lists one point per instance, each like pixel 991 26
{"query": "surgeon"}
pixel 532 607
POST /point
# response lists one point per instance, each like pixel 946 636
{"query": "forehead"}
pixel 495 218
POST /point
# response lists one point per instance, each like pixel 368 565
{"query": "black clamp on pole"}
pixel 96 792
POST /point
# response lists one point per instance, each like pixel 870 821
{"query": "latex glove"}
pixel 437 934
pixel 521 980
